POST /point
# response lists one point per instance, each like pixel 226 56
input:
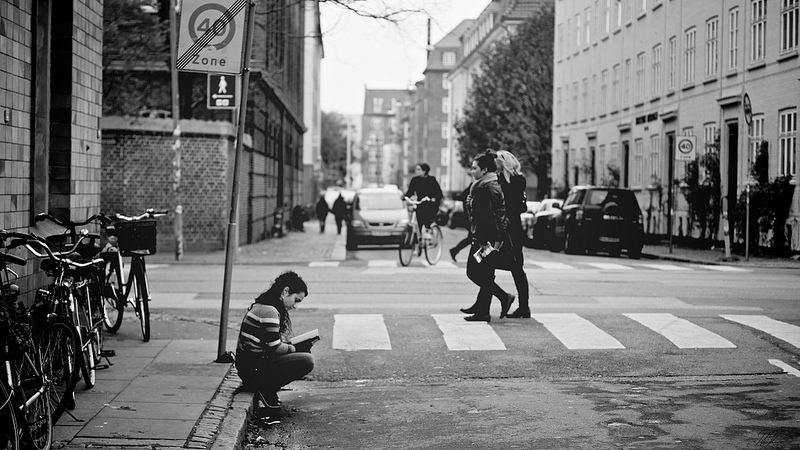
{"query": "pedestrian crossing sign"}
pixel 222 91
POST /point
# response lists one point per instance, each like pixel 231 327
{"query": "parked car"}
pixel 527 217
pixel 541 233
pixel 599 218
pixel 457 219
pixel 379 216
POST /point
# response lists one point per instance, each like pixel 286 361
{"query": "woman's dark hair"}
pixel 272 296
pixel 486 161
pixel 425 167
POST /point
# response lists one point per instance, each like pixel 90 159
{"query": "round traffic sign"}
pixel 748 109
pixel 223 25
pixel 685 146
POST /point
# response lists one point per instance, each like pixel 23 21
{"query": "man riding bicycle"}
pixel 421 186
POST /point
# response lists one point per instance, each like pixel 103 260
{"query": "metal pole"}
pixel 230 244
pixel 671 195
pixel 747 223
pixel 176 129
pixel 348 173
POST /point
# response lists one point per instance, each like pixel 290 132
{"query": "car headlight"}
pixel 355 223
pixel 402 222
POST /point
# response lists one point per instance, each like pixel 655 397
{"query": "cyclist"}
pixel 421 186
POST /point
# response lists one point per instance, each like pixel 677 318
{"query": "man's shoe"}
pixel 520 313
pixel 453 254
pixel 471 310
pixel 478 318
pixel 506 305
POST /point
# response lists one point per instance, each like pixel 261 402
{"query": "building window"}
pixel 557 111
pixel 640 77
pixel 790 25
pixel 655 157
pixel 689 53
pixel 656 77
pixel 575 89
pixel 587 26
pixel 565 118
pixel 756 138
pixel 604 92
pixel 672 63
pixel 593 100
pixel 606 17
pixel 626 84
pixel 377 105
pixel 449 58
pixel 569 37
pixel 787 143
pixel 376 123
pixel 445 131
pixel 642 6
pixel 446 105
pixel 445 83
pixel 733 38
pixel 578 32
pixel 638 161
pixel 618 13
pixel 712 39
pixel 560 41
pixel 758 28
pixel 585 98
pixel 615 91
pixel 709 141
pixel 445 158
pixel 628 11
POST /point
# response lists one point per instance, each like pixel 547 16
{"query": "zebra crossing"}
pixel 358 332
pixel 537 265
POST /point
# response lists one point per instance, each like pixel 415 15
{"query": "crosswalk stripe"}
pixel 665 267
pixel 323 264
pixel 681 332
pixel 360 332
pixel 549 265
pixel 382 263
pixel 577 333
pixel 610 266
pixel 781 330
pixel 723 268
pixel 462 335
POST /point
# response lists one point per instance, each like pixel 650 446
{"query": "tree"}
pixel 510 104
pixel 333 145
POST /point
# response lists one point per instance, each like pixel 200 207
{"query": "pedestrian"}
pixel 265 360
pixel 468 239
pixel 423 185
pixel 339 211
pixel 489 227
pixel 299 217
pixel 322 212
pixel 513 185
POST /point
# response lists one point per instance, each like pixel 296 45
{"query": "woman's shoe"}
pixel 471 310
pixel 506 305
pixel 520 313
pixel 478 318
pixel 453 254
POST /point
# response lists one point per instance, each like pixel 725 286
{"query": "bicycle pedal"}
pixel 107 353
pixel 102 366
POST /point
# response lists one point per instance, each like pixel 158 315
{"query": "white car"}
pixel 527 218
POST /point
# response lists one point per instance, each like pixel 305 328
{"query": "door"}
pixel 733 171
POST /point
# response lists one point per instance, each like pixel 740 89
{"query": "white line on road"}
pixel 681 332
pixel 462 335
pixel 665 267
pixel 723 268
pixel 781 330
pixel 549 265
pixel 360 332
pixel 577 333
pixel 610 266
pixel 786 368
pixel 323 264
pixel 382 263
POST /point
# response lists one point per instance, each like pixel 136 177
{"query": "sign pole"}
pixel 230 245
pixel 176 129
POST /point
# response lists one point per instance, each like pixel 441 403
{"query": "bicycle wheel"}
pixel 143 302
pixel 433 248
pixel 87 362
pixel 37 417
pixel 59 347
pixel 9 429
pixel 408 245
pixel 113 305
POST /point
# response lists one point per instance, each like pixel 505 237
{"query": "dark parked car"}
pixel 378 218
pixel 541 233
pixel 600 218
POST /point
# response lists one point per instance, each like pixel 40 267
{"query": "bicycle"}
pixel 411 242
pixel 134 237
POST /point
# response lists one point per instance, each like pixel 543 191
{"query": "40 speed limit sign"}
pixel 685 148
pixel 211 36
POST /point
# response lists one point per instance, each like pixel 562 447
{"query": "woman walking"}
pixel 488 225
pixel 513 185
pixel 265 360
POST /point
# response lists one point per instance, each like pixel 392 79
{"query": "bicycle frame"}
pixel 137 269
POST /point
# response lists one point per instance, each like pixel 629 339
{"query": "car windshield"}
pixel 625 201
pixel 378 201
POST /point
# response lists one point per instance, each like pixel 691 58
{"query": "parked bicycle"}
pixel 133 237
pixel 411 242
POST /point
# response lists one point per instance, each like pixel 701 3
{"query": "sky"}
pixel 369 53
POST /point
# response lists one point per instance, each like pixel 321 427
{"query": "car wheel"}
pixel 351 243
pixel 571 245
pixel 635 252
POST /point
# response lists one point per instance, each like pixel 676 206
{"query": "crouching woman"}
pixel 264 359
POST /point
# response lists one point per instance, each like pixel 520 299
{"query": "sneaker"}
pixel 270 400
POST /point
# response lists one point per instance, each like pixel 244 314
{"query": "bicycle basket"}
pixel 137 236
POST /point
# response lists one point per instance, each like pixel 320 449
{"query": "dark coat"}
pixel 514 195
pixel 487 213
pixel 322 209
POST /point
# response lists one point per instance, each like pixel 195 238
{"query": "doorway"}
pixel 733 171
pixel 625 163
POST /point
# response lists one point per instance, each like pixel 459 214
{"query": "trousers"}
pixel 270 375
pixel 482 274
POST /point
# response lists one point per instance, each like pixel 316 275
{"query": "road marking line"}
pixel 681 332
pixel 360 332
pixel 382 263
pixel 723 268
pixel 549 265
pixel 323 264
pixel 786 368
pixel 577 333
pixel 610 266
pixel 462 335
pixel 781 330
pixel 665 267
pixel 439 265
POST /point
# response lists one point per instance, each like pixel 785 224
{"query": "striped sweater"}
pixel 260 335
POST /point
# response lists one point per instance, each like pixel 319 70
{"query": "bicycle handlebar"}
pixel 27 240
pixel 149 213
pixel 417 202
pixel 69 224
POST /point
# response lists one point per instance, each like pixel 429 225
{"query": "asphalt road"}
pixel 620 353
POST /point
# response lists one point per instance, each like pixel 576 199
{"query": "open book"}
pixel 311 336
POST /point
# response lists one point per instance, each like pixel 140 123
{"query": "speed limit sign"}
pixel 685 148
pixel 211 36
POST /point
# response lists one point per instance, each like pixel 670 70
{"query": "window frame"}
pixel 712 47
pixel 787 142
pixel 790 26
